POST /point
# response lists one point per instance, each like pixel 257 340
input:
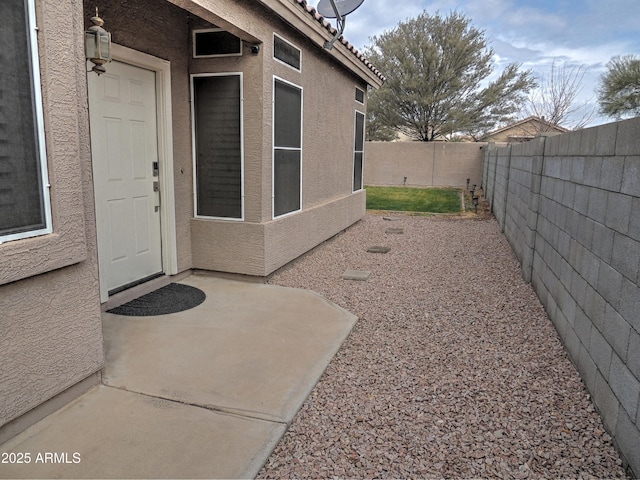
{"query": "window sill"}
pixel 20 259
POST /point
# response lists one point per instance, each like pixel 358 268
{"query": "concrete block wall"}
pixel 423 164
pixel 489 165
pixel 570 207
pixel 501 184
pixel 520 215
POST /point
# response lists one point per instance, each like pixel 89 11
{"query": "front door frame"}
pixel 162 69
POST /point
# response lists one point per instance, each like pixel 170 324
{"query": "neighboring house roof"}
pixel 525 129
pixel 314 13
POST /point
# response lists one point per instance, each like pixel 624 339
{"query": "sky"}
pixel 583 33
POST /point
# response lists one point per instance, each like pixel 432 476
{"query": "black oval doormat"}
pixel 172 298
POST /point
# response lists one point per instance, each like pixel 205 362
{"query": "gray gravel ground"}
pixel 453 369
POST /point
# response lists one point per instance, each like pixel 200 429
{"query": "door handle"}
pixel 156 188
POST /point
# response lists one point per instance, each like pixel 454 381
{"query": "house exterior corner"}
pixel 222 137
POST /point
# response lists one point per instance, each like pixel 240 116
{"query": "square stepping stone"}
pixel 379 249
pixel 358 275
pixel 394 230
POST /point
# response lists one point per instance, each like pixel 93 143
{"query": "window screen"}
pixel 287 146
pixel 286 175
pixel 218 145
pixel 22 166
pixel 359 95
pixel 214 43
pixel 285 52
pixel 358 156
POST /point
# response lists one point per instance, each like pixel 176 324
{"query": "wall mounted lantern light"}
pixel 97 44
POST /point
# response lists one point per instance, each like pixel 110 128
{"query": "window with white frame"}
pixel 358 152
pixel 218 145
pixel 24 194
pixel 359 95
pixel 287 147
pixel 287 53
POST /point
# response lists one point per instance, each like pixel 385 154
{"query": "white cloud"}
pixel 376 16
pixel 532 18
pixel 545 52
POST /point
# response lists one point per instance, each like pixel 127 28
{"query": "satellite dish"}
pixel 337 9
pixel 343 7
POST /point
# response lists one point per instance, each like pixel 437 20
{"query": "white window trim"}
pixel 193 147
pixel 273 146
pixel 353 169
pixel 208 30
pixel 364 96
pixel 299 70
pixel 40 137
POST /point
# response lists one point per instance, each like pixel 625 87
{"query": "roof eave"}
pixel 219 14
pixel 316 28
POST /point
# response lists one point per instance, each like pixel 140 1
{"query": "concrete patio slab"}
pixel 204 393
pixel 111 433
pixel 250 349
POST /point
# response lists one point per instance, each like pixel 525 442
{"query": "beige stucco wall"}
pixel 259 245
pixel 50 330
pixel 425 164
pixel 503 137
pixel 311 227
pixel 328 126
pixel 261 248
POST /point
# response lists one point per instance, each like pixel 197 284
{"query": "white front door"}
pixel 124 146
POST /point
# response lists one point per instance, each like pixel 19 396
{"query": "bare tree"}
pixel 556 98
